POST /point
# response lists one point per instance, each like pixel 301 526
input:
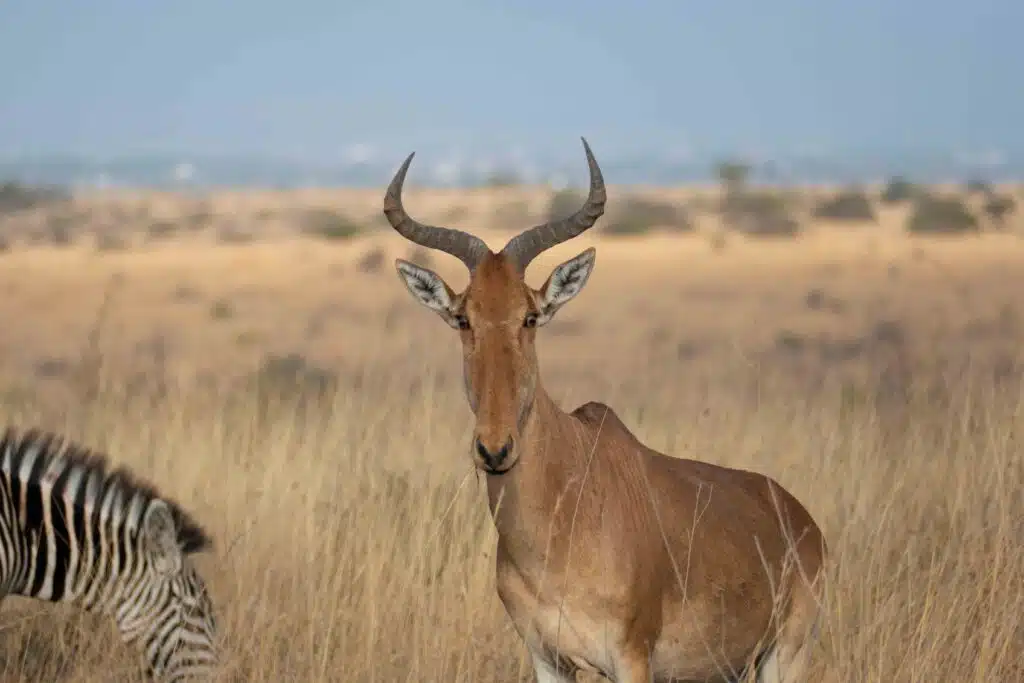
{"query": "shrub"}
pixel 998 207
pixel 328 224
pixel 512 215
pixel 732 174
pixel 759 214
pixel 17 197
pixel 503 178
pixel 372 261
pixel 976 186
pixel 637 215
pixel 290 379
pixel 942 215
pixel 455 214
pixel 418 255
pixel 108 241
pixel 897 190
pixel 161 229
pixel 221 310
pixel 564 203
pixel 58 229
pixel 199 219
pixel 231 234
pixel 849 205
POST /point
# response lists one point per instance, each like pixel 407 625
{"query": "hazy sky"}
pixel 321 79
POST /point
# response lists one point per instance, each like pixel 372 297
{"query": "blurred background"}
pixel 199 95
pixel 132 132
pixel 811 264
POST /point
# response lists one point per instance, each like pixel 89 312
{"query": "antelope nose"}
pixel 493 459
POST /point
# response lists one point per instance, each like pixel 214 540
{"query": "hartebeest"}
pixel 611 557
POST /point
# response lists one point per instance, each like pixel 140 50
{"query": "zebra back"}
pixel 74 530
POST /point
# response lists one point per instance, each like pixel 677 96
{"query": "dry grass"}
pixel 877 378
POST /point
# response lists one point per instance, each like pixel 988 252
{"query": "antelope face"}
pixel 498 313
pixel 497 318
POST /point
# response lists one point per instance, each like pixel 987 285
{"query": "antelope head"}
pixel 498 314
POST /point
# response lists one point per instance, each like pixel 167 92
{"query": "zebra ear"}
pixel 162 537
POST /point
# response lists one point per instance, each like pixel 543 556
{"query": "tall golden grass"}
pixel 353 542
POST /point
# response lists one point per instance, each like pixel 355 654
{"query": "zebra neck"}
pixel 87 567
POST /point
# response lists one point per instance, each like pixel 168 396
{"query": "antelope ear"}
pixel 161 535
pixel 429 289
pixel 565 282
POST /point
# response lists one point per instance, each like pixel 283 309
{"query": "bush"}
pixel 328 224
pixel 940 215
pixel 733 174
pixel 564 203
pixel 221 310
pixel 372 261
pixel 975 186
pixel 998 207
pixel 897 190
pixel 849 205
pixel 161 229
pixel 637 215
pixel 418 255
pixel 59 229
pixel 231 234
pixel 512 215
pixel 291 378
pixel 108 241
pixel 503 178
pixel 760 214
pixel 17 197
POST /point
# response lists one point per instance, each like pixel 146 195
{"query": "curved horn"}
pixel 467 248
pixel 525 247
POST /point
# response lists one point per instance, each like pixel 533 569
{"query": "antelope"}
pixel 612 558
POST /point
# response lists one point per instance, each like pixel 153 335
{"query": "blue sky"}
pixel 322 79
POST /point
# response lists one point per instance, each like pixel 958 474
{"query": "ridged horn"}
pixel 525 247
pixel 467 248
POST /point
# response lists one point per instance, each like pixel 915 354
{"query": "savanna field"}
pixel 256 357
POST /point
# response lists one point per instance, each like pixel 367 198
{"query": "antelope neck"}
pixel 548 461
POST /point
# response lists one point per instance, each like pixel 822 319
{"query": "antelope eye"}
pixel 531 320
pixel 462 322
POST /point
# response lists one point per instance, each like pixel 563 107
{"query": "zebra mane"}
pixel 191 536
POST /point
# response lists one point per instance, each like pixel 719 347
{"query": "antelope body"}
pixel 612 557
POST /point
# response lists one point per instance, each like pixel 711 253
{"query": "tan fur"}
pixel 613 557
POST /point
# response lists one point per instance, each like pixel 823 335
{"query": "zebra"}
pixel 73 531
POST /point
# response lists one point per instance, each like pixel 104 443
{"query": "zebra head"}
pixel 171 615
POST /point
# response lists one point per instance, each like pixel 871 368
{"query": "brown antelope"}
pixel 612 558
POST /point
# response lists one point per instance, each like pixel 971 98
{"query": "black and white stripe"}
pixel 72 531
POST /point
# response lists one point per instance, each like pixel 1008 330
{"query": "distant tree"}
pixel 997 207
pixel 733 175
pixel 897 190
pixel 978 186
pixel 754 213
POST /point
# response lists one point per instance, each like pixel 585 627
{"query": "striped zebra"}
pixel 71 531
